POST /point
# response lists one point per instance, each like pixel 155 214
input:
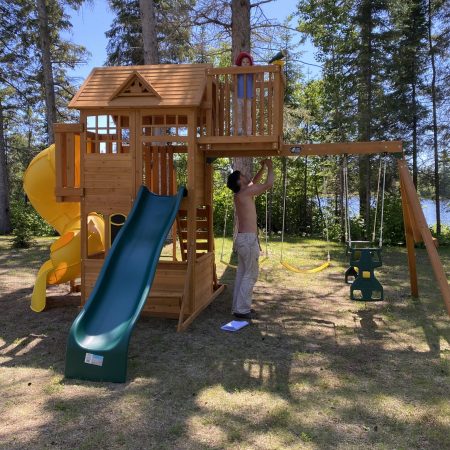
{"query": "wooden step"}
pixel 165 294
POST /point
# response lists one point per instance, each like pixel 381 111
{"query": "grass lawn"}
pixel 314 371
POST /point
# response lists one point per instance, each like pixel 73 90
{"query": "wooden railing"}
pixel 67 161
pixel 245 101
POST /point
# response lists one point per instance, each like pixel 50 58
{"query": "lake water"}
pixel 429 210
pixel 427 206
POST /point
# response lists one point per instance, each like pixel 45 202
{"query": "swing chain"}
pixel 380 186
pixel 348 237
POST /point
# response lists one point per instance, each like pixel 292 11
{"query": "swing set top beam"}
pixel 342 148
pixel 236 149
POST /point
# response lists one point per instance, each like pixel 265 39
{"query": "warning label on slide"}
pixel 96 360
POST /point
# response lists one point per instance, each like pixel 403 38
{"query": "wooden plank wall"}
pixel 204 280
pixel 91 269
pixel 67 162
pixel 167 290
pixel 108 183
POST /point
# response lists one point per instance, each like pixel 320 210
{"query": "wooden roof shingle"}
pixel 176 85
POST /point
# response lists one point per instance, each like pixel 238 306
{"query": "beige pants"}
pixel 247 247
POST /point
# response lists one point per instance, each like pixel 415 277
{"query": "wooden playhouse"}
pixel 135 123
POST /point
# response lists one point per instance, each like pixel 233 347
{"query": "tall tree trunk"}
pixel 270 212
pixel 240 27
pixel 414 132
pixel 47 70
pixel 337 117
pixel 148 22
pixel 365 110
pixel 437 193
pixel 240 42
pixel 342 217
pixel 5 222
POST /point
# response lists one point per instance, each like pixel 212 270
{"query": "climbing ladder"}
pixel 203 237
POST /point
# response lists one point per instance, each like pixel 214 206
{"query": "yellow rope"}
pixel 312 270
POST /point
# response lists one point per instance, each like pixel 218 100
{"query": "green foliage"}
pixel 393 229
pixel 23 238
pixel 444 238
pixel 223 198
pixel 27 223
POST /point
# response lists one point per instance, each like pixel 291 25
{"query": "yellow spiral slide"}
pixel 65 253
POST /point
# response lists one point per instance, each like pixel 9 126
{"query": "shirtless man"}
pixel 246 244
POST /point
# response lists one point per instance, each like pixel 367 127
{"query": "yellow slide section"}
pixel 65 254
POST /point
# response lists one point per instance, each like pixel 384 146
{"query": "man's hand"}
pixel 266 162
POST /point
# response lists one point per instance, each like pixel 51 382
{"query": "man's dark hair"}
pixel 233 181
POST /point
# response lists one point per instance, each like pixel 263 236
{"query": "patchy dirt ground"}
pixel 314 371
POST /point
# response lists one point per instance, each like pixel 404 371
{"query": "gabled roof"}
pixel 135 86
pixel 159 85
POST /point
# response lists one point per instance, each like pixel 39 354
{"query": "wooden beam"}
pixel 165 138
pixel 409 242
pixel 83 215
pixel 418 216
pixel 191 318
pixel 68 127
pixel 69 192
pixel 230 140
pixel 192 207
pixel 187 286
pixel 242 69
pixel 266 146
pixel 255 150
pixel 342 148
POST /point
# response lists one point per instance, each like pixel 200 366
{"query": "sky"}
pixel 91 22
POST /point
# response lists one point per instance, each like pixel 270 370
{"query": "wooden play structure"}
pixel 137 124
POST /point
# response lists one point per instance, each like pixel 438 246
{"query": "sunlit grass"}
pixel 313 371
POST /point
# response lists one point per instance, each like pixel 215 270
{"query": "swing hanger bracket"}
pixel 296 150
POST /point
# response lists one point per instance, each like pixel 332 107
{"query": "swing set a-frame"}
pixel 416 227
pixel 222 140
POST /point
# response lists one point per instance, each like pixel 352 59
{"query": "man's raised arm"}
pixel 260 172
pixel 259 188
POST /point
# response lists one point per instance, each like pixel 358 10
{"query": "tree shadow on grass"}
pixel 292 379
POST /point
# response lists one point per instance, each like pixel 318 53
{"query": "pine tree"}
pixel 25 104
pixel 408 64
pixel 126 40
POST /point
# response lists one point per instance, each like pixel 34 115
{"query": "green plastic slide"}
pixel 98 341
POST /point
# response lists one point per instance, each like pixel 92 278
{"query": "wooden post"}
pixel 417 215
pixel 235 106
pixel 192 207
pixel 261 104
pixel 209 112
pixel 277 105
pixel 70 160
pixel 244 106
pixel 409 242
pixel 187 286
pixel 227 96
pixel 271 127
pixel 136 147
pixel 58 162
pixel 83 212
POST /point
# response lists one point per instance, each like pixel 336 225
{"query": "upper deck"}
pixel 255 124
